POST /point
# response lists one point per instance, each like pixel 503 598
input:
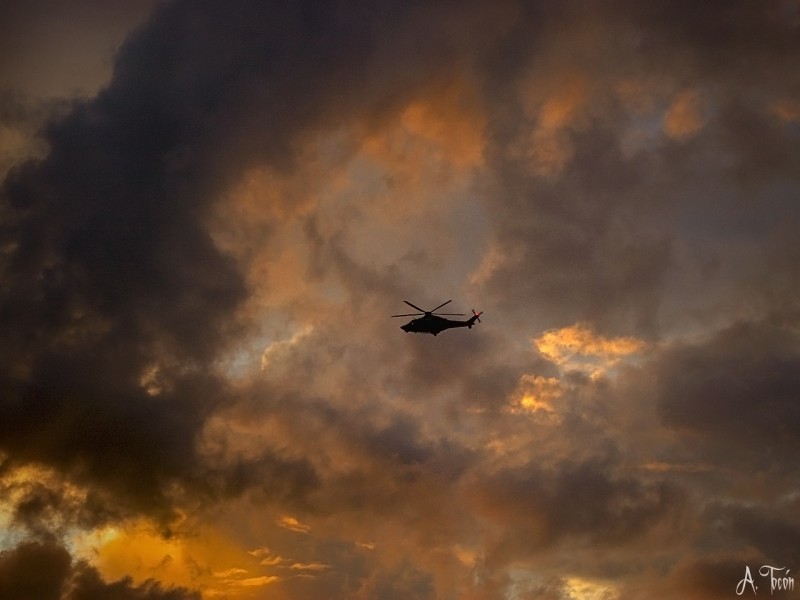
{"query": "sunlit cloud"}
pixel 197 558
pixel 293 524
pixel 468 556
pixel 578 348
pixel 549 147
pixel 260 552
pixel 309 567
pixel 257 581
pixel 787 110
pixel 685 116
pixel 666 467
pixel 539 394
pixel 228 573
pixel 275 349
pixel 366 545
pixel 449 120
pixel 585 589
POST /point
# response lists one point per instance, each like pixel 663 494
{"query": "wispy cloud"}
pixel 293 524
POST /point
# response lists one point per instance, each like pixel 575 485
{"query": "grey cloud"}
pixel 712 577
pixel 600 239
pixel 543 507
pixel 739 389
pixel 774 534
pixel 720 40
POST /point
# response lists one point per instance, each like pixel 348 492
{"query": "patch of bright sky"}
pixel 10 536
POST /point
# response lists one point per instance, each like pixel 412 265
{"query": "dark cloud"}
pixel 45 571
pixel 34 570
pixel 720 41
pixel 712 577
pixel 737 390
pixel 116 299
pixel 404 582
pixel 541 508
pixel 774 535
pixel 44 507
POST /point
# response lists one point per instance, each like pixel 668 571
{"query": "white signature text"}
pixel 778 577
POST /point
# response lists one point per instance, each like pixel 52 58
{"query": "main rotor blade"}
pixel 451 314
pixel 411 315
pixel 438 307
pixel 422 310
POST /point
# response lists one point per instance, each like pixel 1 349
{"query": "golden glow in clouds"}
pixel 578 348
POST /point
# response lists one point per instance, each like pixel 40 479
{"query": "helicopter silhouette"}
pixel 429 322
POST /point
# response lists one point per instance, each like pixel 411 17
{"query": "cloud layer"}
pixel 203 395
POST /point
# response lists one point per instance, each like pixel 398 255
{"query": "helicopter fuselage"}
pixel 434 324
pixel 427 321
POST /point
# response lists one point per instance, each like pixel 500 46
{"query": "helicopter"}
pixel 429 322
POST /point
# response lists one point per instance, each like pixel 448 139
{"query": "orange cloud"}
pixel 577 347
pixel 787 110
pixel 309 567
pixel 257 581
pixel 537 394
pixel 562 107
pixel 293 524
pixel 445 125
pixel 202 558
pixel 684 118
pixel 554 112
pixel 579 588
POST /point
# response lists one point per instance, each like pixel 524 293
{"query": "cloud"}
pixel 199 267
pixel 539 508
pixel 34 570
pixel 539 393
pixel 569 346
pixel 110 267
pixel 46 571
pixel 309 567
pixel 256 581
pixel 774 537
pixel 737 389
pixel 684 117
pixel 582 231
pixel 293 524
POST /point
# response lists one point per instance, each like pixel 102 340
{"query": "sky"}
pixel 209 212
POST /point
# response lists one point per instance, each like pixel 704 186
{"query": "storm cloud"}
pixel 204 395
